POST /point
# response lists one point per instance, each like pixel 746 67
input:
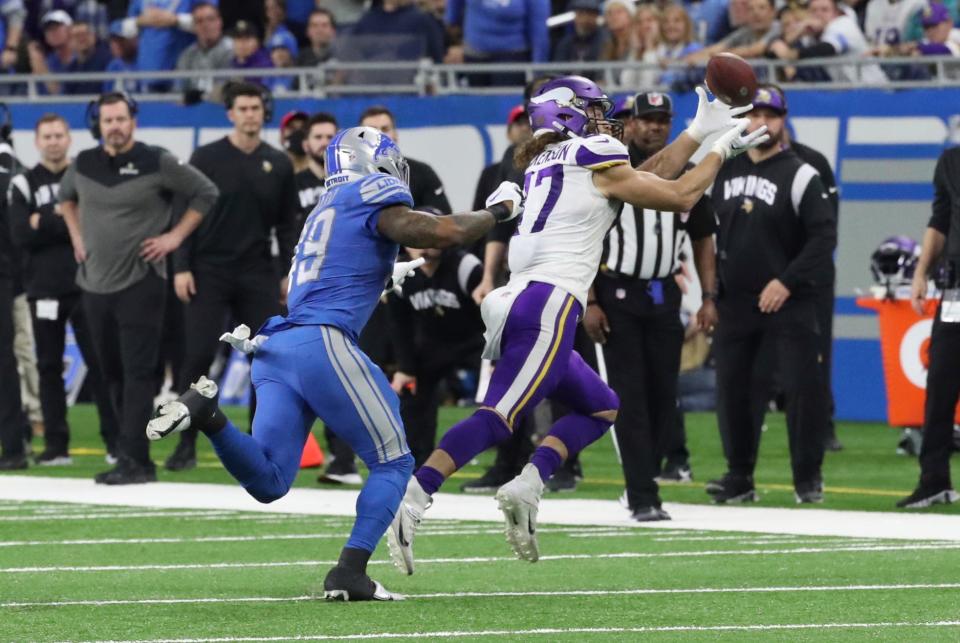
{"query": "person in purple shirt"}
pixel 247 51
pixel 938 39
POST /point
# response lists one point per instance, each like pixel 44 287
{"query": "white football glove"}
pixel 735 142
pixel 401 271
pixel 507 191
pixel 712 116
pixel 239 338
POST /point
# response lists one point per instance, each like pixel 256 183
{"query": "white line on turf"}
pixel 488 559
pixel 579 593
pixel 557 630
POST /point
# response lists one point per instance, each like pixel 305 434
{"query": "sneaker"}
pixel 519 500
pixel 910 442
pixel 811 493
pixel 196 405
pixel 733 489
pixel 833 444
pixel 676 473
pixel 341 471
pixel 927 495
pixel 111 458
pixel 53 458
pixel 578 470
pixel 127 472
pixel 649 514
pixel 13 462
pixel 404 526
pixel 342 584
pixel 494 478
pixel 563 479
pixel 183 458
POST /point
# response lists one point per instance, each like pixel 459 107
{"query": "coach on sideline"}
pixel 116 201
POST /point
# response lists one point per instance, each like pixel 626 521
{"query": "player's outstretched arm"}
pixel 422 230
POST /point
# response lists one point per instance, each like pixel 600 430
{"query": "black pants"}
pixel 50 336
pixel 943 391
pixel 224 297
pixel 126 328
pixel 793 333
pixel 643 363
pixel 825 303
pixel 12 419
pixel 435 363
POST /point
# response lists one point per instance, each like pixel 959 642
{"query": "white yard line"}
pixel 488 559
pixel 805 522
pixel 553 631
pixel 578 593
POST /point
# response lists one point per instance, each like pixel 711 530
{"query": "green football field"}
pixel 85 572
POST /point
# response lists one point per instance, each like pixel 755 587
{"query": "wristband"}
pixel 499 211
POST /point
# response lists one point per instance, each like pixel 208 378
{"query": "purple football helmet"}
pixel 561 105
pixel 894 261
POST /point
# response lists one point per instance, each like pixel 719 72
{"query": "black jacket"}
pixel 946 204
pixel 9 257
pixel 426 187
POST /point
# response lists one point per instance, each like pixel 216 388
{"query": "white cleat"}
pixel 174 417
pixel 404 526
pixel 519 501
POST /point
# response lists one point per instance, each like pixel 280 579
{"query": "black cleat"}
pixel 733 489
pixel 494 478
pixel 194 408
pixel 809 493
pixel 676 473
pixel 649 514
pixel 341 471
pixel 833 444
pixel 342 584
pixel 927 495
pixel 183 458
pixel 14 462
pixel 53 458
pixel 563 480
pixel 127 472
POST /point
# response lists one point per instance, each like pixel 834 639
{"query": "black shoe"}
pixel 809 493
pixel 713 487
pixel 53 458
pixel 910 442
pixel 563 479
pixel 13 462
pixel 183 458
pixel 926 495
pixel 649 514
pixel 127 472
pixel 341 471
pixel 342 584
pixel 577 470
pixel 676 473
pixel 833 444
pixel 489 482
pixel 734 489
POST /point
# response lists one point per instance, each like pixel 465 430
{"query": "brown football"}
pixel 731 79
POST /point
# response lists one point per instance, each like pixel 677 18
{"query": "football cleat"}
pixel 519 500
pixel 404 526
pixel 342 584
pixel 196 405
pixel 927 495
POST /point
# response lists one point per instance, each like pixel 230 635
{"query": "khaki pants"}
pixel 26 352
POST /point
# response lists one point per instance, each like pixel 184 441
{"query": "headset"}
pixel 265 96
pixel 93 110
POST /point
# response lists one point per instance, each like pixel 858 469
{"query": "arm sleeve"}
pixel 183 178
pixel 812 206
pixel 287 232
pixel 68 184
pixel 469 273
pixel 401 326
pixel 537 33
pixel 454 13
pixel 940 217
pixel 703 219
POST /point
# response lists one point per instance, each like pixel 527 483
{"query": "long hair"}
pixel 532 147
pixel 688 23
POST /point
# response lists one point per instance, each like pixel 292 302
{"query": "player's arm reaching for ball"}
pixel 416 229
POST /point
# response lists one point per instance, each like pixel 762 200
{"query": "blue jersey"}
pixel 342 262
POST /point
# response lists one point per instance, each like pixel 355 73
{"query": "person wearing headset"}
pixel 226 267
pixel 116 201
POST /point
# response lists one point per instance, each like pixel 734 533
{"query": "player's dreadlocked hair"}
pixel 533 146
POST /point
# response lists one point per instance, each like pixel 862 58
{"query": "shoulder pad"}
pixel 600 152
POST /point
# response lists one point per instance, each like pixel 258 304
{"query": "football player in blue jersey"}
pixel 307 364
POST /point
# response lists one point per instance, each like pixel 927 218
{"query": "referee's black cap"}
pixel 652 103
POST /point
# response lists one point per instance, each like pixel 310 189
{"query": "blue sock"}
pixel 246 461
pixel 378 501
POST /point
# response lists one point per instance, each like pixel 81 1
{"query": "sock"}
pixel 576 432
pixel 354 559
pixel 378 502
pixel 463 442
pixel 213 425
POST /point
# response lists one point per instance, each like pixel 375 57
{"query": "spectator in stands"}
pixel 940 38
pixel 56 35
pixel 584 40
pixel 885 23
pixel 750 40
pixel 212 50
pixel 915 29
pixel 505 31
pixel 345 12
pixel 298 13
pixel 283 50
pixel 622 42
pixel 247 52
pixel 12 17
pixel 293 130
pixel 164 29
pixel 834 33
pixel 710 19
pixel 234 11
pixel 676 43
pixel 89 56
pixel 738 14
pixel 276 14
pixel 321 34
pixel 123 58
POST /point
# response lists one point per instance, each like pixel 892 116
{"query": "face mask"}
pixel 294 143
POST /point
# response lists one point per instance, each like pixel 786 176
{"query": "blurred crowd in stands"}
pixel 670 41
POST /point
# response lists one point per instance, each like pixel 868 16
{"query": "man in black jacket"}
pixel 226 268
pixel 49 275
pixel 776 238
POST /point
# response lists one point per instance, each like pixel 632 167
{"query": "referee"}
pixel 635 313
pixel 226 268
pixel 941 240
pixel 776 239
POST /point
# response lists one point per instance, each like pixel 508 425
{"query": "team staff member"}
pixel 436 329
pixel 226 268
pixel 49 276
pixel 635 313
pixel 116 201
pixel 775 243
pixel 941 240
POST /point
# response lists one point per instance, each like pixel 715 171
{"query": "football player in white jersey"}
pixel 577 175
